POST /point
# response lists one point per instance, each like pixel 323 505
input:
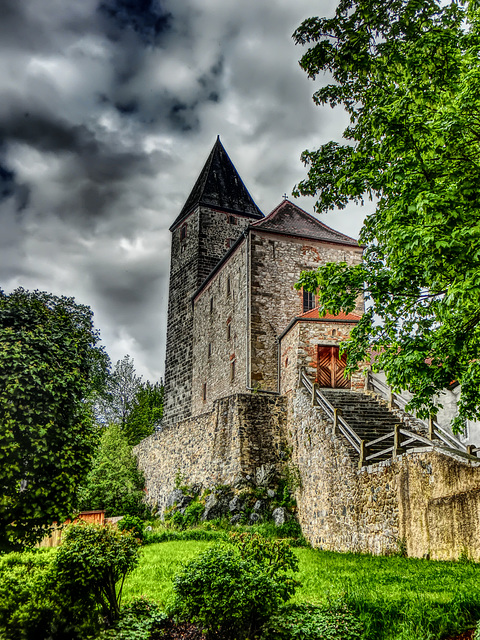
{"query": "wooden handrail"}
pixel 434 429
pixel 400 437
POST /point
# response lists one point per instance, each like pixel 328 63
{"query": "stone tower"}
pixel 216 212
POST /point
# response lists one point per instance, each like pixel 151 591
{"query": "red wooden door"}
pixel 331 368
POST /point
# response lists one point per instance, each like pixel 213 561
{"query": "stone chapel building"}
pixel 236 324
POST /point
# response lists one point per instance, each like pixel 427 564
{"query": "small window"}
pixel 204 391
pixel 211 305
pixel 308 301
pixel 229 287
pixel 232 369
pixel 209 349
pixel 334 332
pixel 229 329
pixel 286 362
pixel 232 220
pixel 183 232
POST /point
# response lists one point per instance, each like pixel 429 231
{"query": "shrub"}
pixel 309 622
pixel 31 605
pixel 92 564
pixel 139 620
pixel 275 556
pixel 226 594
pixel 134 524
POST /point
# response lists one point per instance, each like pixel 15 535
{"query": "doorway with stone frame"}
pixel 331 367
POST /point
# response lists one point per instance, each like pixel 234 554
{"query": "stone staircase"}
pixel 374 431
pixel 368 417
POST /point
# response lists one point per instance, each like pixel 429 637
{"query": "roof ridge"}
pixel 274 223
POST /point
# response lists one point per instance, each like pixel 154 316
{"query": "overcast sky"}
pixel 108 111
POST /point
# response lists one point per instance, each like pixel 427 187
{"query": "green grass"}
pixel 396 598
pixel 158 564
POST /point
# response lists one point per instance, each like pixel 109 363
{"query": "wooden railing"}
pixel 339 424
pixel 397 441
pixel 435 431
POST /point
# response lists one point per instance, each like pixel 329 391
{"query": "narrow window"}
pixel 286 362
pixel 209 349
pixel 308 301
pixel 229 289
pixel 211 305
pixel 232 369
pixel 334 332
pixel 229 329
pixel 183 232
pixel 204 391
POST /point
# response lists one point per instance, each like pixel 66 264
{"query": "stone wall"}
pixel 220 335
pixel 276 264
pixel 240 434
pixel 428 499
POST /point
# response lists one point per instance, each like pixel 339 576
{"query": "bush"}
pixel 133 524
pixel 226 594
pixel 32 607
pixel 138 621
pixel 275 556
pixel 309 622
pixel 92 564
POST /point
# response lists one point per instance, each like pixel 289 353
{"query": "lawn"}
pixel 396 598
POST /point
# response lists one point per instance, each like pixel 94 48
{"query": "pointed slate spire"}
pixel 220 186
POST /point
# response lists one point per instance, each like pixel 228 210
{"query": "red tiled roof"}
pixel 289 219
pixel 313 313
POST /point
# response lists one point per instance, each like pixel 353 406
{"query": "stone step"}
pixel 369 418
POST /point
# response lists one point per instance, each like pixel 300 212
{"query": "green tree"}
pixel 134 405
pixel 50 363
pixel 114 482
pixel 116 398
pixel 407 72
pixel 146 412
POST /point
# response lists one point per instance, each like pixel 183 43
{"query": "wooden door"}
pixel 331 368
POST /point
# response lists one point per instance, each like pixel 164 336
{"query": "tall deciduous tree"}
pixel 129 402
pixel 50 363
pixel 408 74
pixel 114 482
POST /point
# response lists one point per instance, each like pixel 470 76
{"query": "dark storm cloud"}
pixel 109 109
pixel 144 17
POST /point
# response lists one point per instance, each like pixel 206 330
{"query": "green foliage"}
pixel 309 622
pixel 146 412
pixel 32 607
pixel 134 524
pixel 393 597
pixel 92 563
pixel 169 535
pixel 139 620
pixel 49 365
pixel 135 406
pixel 190 517
pixel 226 594
pixel 408 75
pixel 276 558
pixel 114 482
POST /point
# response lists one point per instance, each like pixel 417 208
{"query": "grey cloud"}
pixel 109 109
pixel 145 17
